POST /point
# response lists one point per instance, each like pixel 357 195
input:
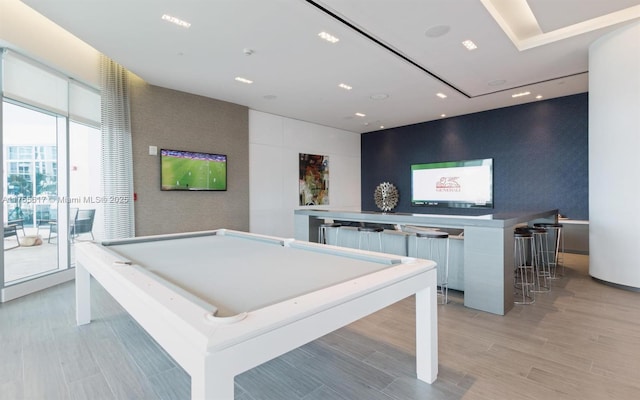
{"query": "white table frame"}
pixel 214 353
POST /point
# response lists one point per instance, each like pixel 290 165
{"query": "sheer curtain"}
pixel 117 162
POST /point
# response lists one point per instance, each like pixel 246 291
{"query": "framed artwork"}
pixel 314 179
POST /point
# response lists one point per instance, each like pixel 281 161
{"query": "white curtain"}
pixel 117 162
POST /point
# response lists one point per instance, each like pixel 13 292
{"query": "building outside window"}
pixel 31 173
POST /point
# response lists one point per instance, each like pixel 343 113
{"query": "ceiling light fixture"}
pixel 243 80
pixel 441 95
pixel 469 45
pixel 539 96
pixel 520 94
pixel 176 21
pixel 443 115
pixel 360 114
pixel 345 86
pixel 328 37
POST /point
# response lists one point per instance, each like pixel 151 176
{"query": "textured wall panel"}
pixel 175 120
pixel 540 153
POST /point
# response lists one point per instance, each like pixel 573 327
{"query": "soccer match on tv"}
pixel 186 170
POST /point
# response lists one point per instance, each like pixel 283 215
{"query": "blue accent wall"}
pixel 540 153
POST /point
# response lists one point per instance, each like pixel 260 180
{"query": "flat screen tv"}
pixel 191 170
pixel 453 184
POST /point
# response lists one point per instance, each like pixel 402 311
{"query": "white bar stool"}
pixel 437 244
pixel 524 254
pixel 367 231
pixel 540 259
pixel 322 232
pixel 555 253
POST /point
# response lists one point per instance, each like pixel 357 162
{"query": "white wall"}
pixel 274 146
pixel 614 146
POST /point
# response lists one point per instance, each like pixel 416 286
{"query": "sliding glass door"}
pixel 30 191
pixel 50 139
pixel 85 184
pixel 43 219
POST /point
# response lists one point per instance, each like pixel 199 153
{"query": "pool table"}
pixel 221 302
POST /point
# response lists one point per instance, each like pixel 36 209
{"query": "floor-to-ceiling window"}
pixel 30 190
pixel 85 184
pixel 51 172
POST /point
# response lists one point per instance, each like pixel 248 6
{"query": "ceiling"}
pixel 395 55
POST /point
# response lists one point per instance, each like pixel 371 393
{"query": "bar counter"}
pixel 488 246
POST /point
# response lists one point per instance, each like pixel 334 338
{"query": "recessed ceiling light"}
pixel 176 21
pixel 441 95
pixel 520 94
pixel 345 86
pixel 443 115
pixel 469 45
pixel 243 80
pixel 379 96
pixel 328 37
pixel 381 126
pixel 360 114
pixel 539 96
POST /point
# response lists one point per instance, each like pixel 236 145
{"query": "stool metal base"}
pixel 555 254
pixel 322 232
pixel 432 238
pixel 541 260
pixel 368 231
pixel 524 251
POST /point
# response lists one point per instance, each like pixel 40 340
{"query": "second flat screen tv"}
pixel 455 184
pixel 189 170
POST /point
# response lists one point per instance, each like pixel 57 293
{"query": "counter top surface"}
pixel 490 220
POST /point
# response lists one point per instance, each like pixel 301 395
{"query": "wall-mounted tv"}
pixel 190 170
pixel 455 184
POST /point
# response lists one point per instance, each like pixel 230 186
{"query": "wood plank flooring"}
pixel 580 341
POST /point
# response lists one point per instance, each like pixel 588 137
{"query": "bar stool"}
pixel 555 254
pixel 368 231
pixel 523 255
pixel 541 259
pixel 322 232
pixel 437 243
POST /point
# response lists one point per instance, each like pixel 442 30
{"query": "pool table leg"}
pixel 427 334
pixel 83 295
pixel 214 380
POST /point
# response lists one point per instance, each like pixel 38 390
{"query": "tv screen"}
pixel 190 170
pixel 455 184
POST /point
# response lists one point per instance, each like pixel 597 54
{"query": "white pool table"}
pixel 222 302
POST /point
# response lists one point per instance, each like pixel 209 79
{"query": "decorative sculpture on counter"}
pixel 386 196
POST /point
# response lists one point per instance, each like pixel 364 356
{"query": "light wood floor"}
pixel 581 341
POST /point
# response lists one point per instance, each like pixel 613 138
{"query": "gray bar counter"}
pixel 488 246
